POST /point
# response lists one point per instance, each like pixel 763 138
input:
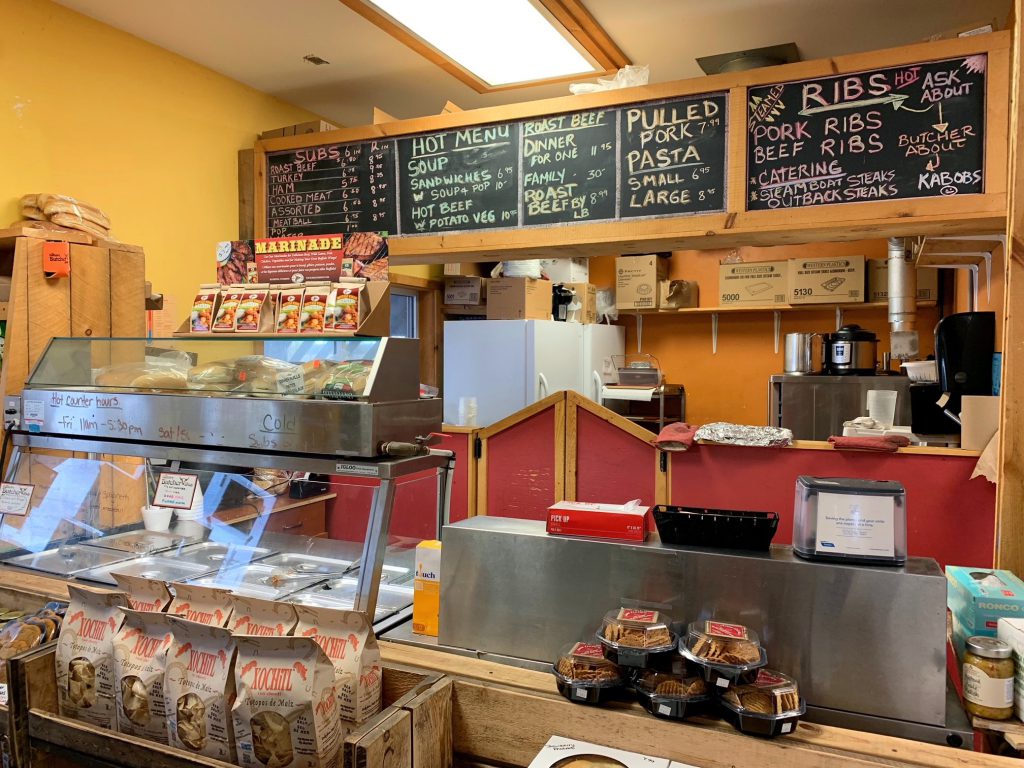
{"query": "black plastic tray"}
pixel 718 528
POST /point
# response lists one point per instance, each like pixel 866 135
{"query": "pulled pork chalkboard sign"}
pixel 911 131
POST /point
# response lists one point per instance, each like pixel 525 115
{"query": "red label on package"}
pixel 725 630
pixel 299 259
pixel 587 651
pixel 638 615
pixel 768 679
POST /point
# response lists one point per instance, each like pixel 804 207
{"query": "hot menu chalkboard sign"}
pixel 911 131
pixel 656 159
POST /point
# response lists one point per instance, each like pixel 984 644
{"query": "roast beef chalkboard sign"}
pixel 904 132
pixel 651 159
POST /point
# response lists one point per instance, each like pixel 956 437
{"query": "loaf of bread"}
pixel 142 376
pixel 49 226
pixel 55 205
pixel 31 212
pixel 71 221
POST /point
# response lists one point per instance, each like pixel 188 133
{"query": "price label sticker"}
pixel 15 498
pixel 32 411
pixel 175 490
pixel 291 382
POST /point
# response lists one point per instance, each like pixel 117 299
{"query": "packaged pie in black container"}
pixel 634 637
pixel 769 706
pixel 726 653
pixel 585 676
pixel 671 695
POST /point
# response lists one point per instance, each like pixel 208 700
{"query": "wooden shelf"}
pixel 845 307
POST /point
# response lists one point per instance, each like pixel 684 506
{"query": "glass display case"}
pixel 343 397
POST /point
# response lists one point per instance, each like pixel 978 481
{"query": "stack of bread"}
pixel 61 212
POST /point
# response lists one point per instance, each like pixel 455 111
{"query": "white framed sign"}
pixel 15 498
pixel 175 490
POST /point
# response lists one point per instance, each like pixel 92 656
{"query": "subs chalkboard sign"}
pixel 903 132
pixel 459 180
pixel 672 157
pixel 569 167
pixel 331 188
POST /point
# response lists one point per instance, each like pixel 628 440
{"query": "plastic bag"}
pixel 627 77
pixel 152 374
pixel 606 311
pixel 520 268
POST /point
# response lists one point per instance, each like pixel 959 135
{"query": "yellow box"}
pixel 426 598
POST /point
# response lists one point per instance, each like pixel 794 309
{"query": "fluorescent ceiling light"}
pixel 501 42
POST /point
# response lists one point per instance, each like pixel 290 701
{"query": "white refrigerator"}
pixel 507 365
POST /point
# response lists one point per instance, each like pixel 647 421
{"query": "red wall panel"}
pixel 521 468
pixel 461 444
pixel 949 516
pixel 413 516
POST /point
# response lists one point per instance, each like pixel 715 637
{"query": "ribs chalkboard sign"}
pixel 459 180
pixel 569 168
pixel 330 189
pixel 903 132
pixel 672 157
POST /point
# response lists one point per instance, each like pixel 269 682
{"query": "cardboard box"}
pixel 678 294
pixel 468 269
pixel 878 282
pixel 636 281
pixel 467 291
pixel 978 598
pixel 838 280
pixel 426 598
pixel 1011 632
pixel 574 270
pixel 758 283
pixel 518 298
pixel 584 307
pixel 980 27
pixel 559 750
pixel 980 417
pixel 313 126
pixel 622 522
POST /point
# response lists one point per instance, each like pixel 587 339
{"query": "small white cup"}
pixel 882 405
pixel 156 518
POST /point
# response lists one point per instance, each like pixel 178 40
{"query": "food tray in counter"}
pixel 311 565
pixel 216 556
pixel 389 574
pixel 257 580
pixel 68 559
pixel 142 542
pixel 150 567
pixel 341 593
pixel 716 528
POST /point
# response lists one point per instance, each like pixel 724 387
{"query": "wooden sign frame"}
pixel 975 214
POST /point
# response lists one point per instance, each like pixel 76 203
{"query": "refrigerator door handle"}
pixel 597 387
pixel 542 386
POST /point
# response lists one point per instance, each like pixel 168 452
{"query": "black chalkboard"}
pixel 330 189
pixel 672 157
pixel 903 132
pixel 459 180
pixel 569 170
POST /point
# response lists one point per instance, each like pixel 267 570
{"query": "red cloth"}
pixel 677 436
pixel 886 444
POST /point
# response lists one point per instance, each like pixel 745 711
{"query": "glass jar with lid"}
pixel 988 678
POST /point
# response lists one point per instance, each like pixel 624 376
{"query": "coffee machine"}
pixel 964 346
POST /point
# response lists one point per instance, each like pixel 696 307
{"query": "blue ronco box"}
pixel 978 598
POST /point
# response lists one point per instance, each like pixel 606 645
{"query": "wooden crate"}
pixel 103 296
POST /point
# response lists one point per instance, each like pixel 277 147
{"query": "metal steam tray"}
pixel 389 574
pixel 256 580
pixel 68 559
pixel 141 542
pixel 159 568
pixel 309 564
pixel 341 593
pixel 216 556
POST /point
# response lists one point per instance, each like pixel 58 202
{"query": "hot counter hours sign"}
pixel 902 132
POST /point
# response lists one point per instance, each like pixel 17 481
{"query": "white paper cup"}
pixel 156 518
pixel 882 405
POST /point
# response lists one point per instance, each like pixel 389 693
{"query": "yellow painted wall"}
pixel 146 135
pixel 732 384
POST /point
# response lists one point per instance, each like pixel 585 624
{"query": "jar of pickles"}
pixel 988 678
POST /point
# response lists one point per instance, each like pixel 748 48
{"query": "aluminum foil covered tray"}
pixel 68 559
pixel 725 433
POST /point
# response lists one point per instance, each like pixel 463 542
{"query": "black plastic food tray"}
pixel 720 528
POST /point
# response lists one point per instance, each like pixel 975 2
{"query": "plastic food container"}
pixel 850 520
pixel 769 706
pixel 585 676
pixel 726 653
pixel 674 696
pixel 719 528
pixel 631 636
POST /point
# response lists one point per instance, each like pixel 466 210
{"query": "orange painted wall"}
pixel 732 385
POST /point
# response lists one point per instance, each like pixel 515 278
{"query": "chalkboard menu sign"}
pixel 911 131
pixel 569 168
pixel 458 180
pixel 330 189
pixel 672 157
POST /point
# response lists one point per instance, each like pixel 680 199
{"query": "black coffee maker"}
pixel 964 346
